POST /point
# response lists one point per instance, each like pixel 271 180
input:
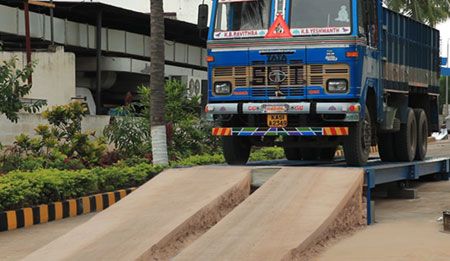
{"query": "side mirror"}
pixel 203 10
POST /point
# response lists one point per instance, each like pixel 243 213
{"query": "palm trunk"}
pixel 157 119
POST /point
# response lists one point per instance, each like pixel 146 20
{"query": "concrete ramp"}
pixel 156 221
pixel 289 214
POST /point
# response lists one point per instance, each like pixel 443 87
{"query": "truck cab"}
pixel 314 75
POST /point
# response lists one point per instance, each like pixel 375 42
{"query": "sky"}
pixel 187 11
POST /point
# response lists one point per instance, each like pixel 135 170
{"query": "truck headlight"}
pixel 337 86
pixel 222 88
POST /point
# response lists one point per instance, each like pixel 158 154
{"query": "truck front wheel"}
pixel 357 144
pixel 236 150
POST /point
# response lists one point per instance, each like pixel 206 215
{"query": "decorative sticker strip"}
pixel 240 34
pixel 333 131
pixel 320 31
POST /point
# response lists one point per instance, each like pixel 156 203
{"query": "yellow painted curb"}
pixel 26 217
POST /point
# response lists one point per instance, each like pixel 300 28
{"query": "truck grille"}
pixel 272 92
pixel 293 77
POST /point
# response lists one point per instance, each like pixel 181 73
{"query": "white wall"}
pixel 53 76
pixel 28 122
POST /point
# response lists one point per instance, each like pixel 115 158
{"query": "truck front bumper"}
pixel 350 110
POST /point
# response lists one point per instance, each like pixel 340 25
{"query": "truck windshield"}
pixel 320 17
pixel 242 18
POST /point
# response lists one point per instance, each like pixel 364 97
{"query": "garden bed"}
pixel 19 189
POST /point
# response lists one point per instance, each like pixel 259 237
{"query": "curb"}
pixel 26 217
pixel 340 153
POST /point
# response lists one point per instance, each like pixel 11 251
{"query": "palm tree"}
pixel 158 94
pixel 430 12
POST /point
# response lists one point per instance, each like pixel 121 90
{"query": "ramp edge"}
pixel 349 219
pixel 199 223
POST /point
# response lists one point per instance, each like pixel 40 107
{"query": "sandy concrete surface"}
pixel 405 230
pixel 292 211
pixel 157 220
pixel 16 244
pixel 439 149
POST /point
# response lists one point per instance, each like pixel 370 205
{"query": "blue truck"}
pixel 314 75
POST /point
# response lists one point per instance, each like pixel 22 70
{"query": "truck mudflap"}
pixel 292 131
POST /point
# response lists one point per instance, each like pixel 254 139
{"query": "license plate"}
pixel 277 120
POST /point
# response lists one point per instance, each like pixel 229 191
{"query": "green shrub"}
pixel 271 153
pixel 262 154
pixel 25 189
pixel 13 88
pixel 60 145
pixel 118 178
pixel 199 160
pixel 188 133
pixel 130 133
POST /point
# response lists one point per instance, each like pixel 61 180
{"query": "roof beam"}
pixel 38 3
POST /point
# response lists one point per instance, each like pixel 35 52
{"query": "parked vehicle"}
pixel 311 75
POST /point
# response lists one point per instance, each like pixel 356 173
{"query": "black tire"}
pixel 406 139
pixel 386 147
pixel 422 134
pixel 357 145
pixel 293 153
pixel 327 154
pixel 310 154
pixel 236 150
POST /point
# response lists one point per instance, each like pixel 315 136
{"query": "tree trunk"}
pixel 158 95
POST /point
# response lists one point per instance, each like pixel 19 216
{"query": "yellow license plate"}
pixel 277 120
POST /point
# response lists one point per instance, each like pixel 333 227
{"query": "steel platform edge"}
pixel 391 172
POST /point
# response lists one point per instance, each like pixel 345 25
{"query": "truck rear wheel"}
pixel 422 134
pixel 386 147
pixel 406 139
pixel 236 150
pixel 357 144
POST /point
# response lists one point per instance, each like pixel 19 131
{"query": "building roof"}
pixel 119 18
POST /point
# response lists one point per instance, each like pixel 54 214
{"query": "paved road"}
pixel 405 230
pixel 439 149
pixel 17 244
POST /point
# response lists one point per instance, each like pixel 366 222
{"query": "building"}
pixel 183 9
pixel 70 71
